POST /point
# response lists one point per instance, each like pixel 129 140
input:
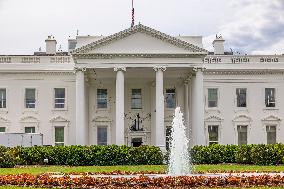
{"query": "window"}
pixel 213 134
pixel 168 137
pixel 271 134
pixel 101 98
pixel 29 129
pixel 170 98
pixel 59 98
pixel 30 98
pixel 102 135
pixel 2 129
pixel 212 98
pixel 270 97
pixel 2 98
pixel 59 136
pixel 242 134
pixel 136 99
pixel 241 97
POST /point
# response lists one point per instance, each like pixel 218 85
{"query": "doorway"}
pixel 136 142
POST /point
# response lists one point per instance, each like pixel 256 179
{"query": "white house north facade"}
pixel 123 89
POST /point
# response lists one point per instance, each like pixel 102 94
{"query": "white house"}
pixel 123 88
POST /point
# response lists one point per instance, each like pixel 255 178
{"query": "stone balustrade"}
pixel 243 59
pixel 36 59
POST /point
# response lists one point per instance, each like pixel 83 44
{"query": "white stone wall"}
pixel 231 116
pixel 44 117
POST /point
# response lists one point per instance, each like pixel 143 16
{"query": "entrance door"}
pixel 136 142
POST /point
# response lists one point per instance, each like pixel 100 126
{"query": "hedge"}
pixel 88 155
pixel 144 155
pixel 258 154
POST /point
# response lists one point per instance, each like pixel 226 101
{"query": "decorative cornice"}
pixel 29 119
pixel 159 68
pixel 240 117
pixel 4 120
pixel 213 118
pixel 116 69
pixel 59 119
pixel 143 29
pixel 101 119
pixel 271 118
pixel 136 55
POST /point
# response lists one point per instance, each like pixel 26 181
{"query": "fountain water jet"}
pixel 179 158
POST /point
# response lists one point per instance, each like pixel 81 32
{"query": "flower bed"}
pixel 156 172
pixel 46 180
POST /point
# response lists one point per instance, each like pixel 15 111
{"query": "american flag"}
pixel 133 18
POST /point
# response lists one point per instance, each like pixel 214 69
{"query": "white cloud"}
pixel 249 25
pixel 255 26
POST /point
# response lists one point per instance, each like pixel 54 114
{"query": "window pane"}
pixel 271 134
pixel 102 98
pixel 213 133
pixel 59 92
pixel 212 98
pixel 270 97
pixel 59 135
pixel 136 99
pixel 241 97
pixel 2 98
pixel 170 98
pixel 29 129
pixel 60 100
pixel 2 129
pixel 242 134
pixel 102 135
pixel 59 97
pixel 59 105
pixel 30 98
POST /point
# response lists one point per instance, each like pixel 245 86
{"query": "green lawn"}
pixel 156 168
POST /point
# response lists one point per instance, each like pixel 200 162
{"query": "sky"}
pixel 248 26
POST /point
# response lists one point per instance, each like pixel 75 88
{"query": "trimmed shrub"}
pixel 267 154
pixel 243 154
pixel 89 155
pixel 144 155
pixel 7 159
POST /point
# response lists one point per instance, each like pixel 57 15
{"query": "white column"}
pixel 198 130
pixel 160 137
pixel 186 105
pixel 119 106
pixel 81 124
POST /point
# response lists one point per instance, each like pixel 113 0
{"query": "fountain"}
pixel 179 158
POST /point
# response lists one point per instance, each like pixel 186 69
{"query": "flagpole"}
pixel 133 14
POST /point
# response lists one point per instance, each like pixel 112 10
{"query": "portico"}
pixel 136 79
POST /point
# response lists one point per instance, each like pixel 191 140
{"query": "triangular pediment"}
pixel 139 40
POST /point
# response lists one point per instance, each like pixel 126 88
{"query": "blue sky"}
pixel 249 26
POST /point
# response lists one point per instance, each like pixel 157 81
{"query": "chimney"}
pixel 50 45
pixel 218 45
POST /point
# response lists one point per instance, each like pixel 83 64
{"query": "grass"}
pixel 157 168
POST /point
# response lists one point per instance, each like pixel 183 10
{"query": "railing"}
pixel 36 59
pixel 238 59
